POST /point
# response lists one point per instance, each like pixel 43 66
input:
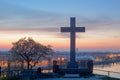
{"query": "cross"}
pixel 72 29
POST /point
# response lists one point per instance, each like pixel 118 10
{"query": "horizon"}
pixel 43 19
pixel 79 51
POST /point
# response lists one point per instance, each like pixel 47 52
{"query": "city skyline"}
pixel 42 19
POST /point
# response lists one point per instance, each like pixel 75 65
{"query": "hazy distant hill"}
pixel 100 54
pixel 66 53
pixel 4 53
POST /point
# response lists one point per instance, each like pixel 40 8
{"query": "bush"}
pixel 10 78
pixel 4 78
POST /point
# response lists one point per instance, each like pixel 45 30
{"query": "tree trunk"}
pixel 28 65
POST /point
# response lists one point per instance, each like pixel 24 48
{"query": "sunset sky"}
pixel 42 19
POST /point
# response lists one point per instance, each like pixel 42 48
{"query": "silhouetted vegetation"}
pixel 29 51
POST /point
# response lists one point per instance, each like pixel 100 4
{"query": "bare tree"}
pixel 30 51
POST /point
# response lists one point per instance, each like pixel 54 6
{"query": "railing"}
pixel 107 73
pixel 10 73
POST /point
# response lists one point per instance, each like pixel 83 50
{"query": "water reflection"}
pixel 110 67
pixel 113 68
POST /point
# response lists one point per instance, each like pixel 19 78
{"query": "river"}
pixel 113 68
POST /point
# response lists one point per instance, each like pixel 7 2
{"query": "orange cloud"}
pixel 65 44
pixel 5 46
pixel 60 42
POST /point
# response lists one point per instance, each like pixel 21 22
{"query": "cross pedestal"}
pixel 72 64
pixel 72 29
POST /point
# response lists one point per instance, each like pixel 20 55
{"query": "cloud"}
pixel 11 11
pixel 14 16
pixel 22 19
pixel 30 29
pixel 99 24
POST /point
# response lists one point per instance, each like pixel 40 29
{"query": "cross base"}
pixel 72 65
